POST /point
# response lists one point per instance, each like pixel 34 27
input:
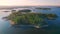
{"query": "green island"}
pixel 26 17
pixel 44 8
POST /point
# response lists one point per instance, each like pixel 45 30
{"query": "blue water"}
pixel 53 28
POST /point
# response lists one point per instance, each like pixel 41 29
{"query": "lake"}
pixel 53 25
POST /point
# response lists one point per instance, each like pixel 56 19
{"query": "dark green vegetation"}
pixel 25 10
pixel 30 18
pixel 58 7
pixel 51 16
pixel 44 8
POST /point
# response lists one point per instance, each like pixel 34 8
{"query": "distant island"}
pixel 58 7
pixel 26 17
pixel 44 8
pixel 6 11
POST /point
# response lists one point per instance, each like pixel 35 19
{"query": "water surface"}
pixel 53 28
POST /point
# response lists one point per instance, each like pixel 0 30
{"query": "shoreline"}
pixel 14 24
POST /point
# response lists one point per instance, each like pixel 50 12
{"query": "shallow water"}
pixel 53 28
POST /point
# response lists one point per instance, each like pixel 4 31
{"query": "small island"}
pixel 6 11
pixel 58 7
pixel 44 8
pixel 51 16
pixel 29 18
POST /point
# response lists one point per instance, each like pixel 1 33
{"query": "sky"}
pixel 29 2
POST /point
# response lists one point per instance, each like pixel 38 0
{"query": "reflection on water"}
pixel 53 28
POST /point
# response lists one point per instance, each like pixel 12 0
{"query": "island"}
pixel 44 8
pixel 29 18
pixel 58 7
pixel 6 11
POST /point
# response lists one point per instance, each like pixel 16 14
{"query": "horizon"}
pixel 26 5
pixel 29 2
